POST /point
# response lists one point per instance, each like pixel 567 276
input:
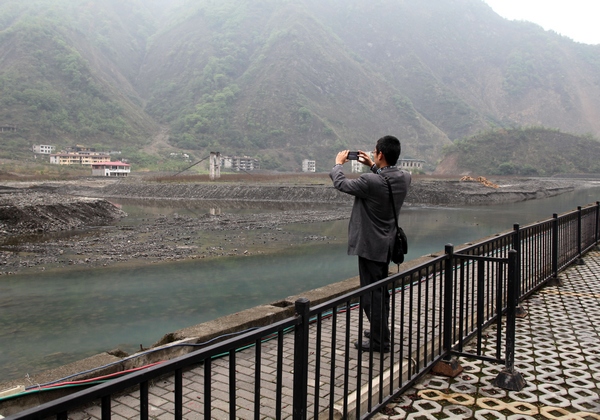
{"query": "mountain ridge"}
pixel 283 80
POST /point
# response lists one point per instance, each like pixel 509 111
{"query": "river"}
pixel 50 319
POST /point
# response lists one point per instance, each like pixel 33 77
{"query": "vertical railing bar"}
pixel 545 244
pixel 490 284
pixel 461 305
pixel 538 240
pixel 597 230
pixel 455 315
pixel 548 257
pixel 106 409
pixel 232 382
pixel 278 391
pixel 257 377
pixel 419 301
pixel 517 248
pixel 480 303
pixel 347 360
pixel 558 237
pixel 411 298
pixel 538 265
pixel 474 285
pixel 499 307
pixel 359 362
pixel 470 302
pixel 527 240
pixel 333 360
pixel 535 239
pixel 432 283
pixel 385 295
pixel 144 388
pixel 548 243
pixel 178 394
pixel 448 300
pixel 207 388
pixel 301 334
pixel 441 310
pixel 532 240
pixel 402 326
pixel 474 292
pixel 426 322
pixel 371 368
pixel 511 311
pixel 393 335
pixel 317 387
pixel 579 236
pixel 555 246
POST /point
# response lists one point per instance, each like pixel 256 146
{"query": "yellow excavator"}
pixel 481 179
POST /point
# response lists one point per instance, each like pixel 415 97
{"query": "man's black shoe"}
pixel 367 333
pixel 365 345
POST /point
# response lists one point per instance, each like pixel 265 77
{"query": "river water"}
pixel 50 319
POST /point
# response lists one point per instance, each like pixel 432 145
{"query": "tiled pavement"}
pixel 557 352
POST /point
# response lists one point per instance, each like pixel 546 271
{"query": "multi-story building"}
pixel 79 158
pixel 309 165
pixel 43 149
pixel 410 164
pixel 239 163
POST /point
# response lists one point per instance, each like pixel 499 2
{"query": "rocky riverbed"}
pixel 54 225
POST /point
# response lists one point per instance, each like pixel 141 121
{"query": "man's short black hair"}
pixel 390 147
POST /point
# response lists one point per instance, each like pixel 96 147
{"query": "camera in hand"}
pixel 352 155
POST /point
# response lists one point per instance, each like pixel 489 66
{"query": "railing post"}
pixel 521 312
pixel 579 260
pixel 596 233
pixel 448 366
pixel 448 300
pixel 554 281
pixel 300 399
pixel 509 378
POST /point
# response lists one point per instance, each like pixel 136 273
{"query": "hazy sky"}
pixel 576 19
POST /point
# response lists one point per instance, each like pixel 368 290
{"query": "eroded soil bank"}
pixel 32 214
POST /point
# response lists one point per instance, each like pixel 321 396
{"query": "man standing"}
pixel 372 228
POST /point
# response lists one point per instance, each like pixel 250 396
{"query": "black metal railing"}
pixel 307 366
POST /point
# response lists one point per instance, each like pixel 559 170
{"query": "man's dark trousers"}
pixel 370 272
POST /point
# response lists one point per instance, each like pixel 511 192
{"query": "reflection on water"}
pixel 55 319
pixel 51 319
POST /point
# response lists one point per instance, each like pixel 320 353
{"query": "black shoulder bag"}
pixel 400 241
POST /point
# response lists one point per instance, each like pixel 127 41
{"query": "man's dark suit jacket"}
pixel 372 227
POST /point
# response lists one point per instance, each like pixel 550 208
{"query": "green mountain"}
pixel 531 151
pixel 282 80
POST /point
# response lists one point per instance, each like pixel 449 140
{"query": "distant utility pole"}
pixel 215 165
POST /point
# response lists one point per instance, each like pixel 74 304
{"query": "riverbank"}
pixel 56 225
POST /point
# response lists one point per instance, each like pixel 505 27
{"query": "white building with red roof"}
pixel 110 169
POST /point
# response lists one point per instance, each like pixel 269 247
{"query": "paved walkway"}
pixel 558 353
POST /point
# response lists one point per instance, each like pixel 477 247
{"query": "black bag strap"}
pixel 387 180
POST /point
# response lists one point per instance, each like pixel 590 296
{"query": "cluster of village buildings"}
pixel 101 163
